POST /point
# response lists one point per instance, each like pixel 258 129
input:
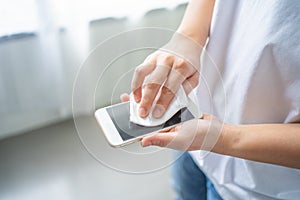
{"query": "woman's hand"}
pixel 192 135
pixel 176 63
pixel 270 143
pixel 205 134
pixel 162 73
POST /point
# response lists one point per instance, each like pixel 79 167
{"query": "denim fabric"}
pixel 190 182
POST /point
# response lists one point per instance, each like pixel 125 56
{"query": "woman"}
pixel 255 46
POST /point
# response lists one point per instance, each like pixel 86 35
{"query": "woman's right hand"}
pixel 162 73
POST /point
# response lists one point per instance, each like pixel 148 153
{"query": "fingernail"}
pixel 158 111
pixel 142 112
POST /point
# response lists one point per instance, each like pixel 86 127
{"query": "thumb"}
pixel 124 97
pixel 161 139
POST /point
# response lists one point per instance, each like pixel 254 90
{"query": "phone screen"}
pixel 120 113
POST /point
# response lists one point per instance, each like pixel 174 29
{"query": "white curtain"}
pixel 38 66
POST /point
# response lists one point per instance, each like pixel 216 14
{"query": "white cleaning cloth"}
pixel 181 100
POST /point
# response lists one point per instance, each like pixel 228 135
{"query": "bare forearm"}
pixel 197 19
pixel 270 143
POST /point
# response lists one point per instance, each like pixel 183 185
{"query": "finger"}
pixel 137 94
pixel 149 94
pixel 177 76
pixel 138 78
pixel 158 139
pixel 160 73
pixel 124 97
pixel 206 116
pixel 170 129
pixel 166 96
pixel 190 83
pixel 153 84
pixel 181 70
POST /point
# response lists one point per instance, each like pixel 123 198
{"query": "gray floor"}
pixel 52 163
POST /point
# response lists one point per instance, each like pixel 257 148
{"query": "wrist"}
pixel 199 38
pixel 229 137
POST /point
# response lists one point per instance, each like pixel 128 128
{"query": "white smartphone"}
pixel 119 131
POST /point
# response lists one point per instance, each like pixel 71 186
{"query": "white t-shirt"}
pixel 255 45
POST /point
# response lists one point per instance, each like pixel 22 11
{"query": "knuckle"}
pixel 181 72
pixel 166 57
pixel 166 97
pixel 146 100
pixel 195 82
pixel 138 71
pixel 181 63
pixel 167 92
pixel 181 68
pixel 151 86
pixel 207 116
pixel 150 58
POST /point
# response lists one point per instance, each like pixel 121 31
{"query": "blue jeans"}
pixel 190 182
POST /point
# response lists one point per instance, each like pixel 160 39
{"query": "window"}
pixel 19 16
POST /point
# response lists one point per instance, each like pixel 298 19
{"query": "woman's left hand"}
pixel 196 134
